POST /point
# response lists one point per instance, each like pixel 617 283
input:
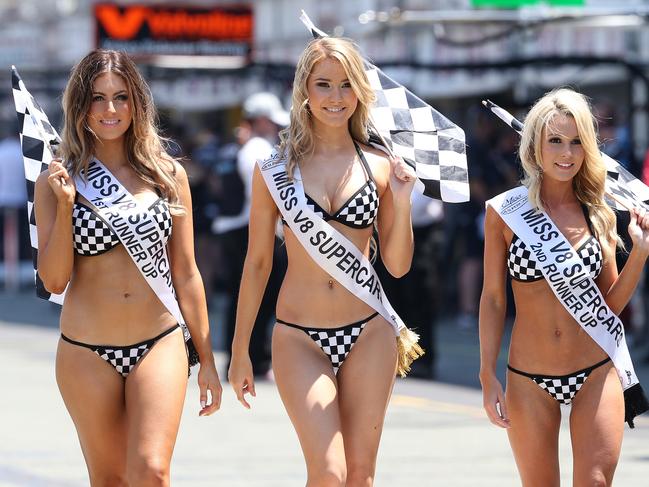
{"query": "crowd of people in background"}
pixel 446 275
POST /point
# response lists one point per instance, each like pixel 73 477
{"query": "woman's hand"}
pixel 208 379
pixel 61 183
pixel 639 229
pixel 241 378
pixel 402 180
pixel 493 400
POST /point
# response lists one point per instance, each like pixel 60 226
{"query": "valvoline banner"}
pixel 168 30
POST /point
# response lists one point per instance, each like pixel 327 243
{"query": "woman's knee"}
pixel 328 476
pixel 360 475
pixel 148 471
pixel 594 477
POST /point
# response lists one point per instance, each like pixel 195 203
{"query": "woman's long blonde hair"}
pixel 143 144
pixel 589 182
pixel 297 140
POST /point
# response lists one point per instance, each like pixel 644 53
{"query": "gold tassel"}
pixel 408 350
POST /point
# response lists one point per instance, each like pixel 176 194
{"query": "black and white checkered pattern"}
pixel 91 234
pixel 336 343
pixel 124 358
pixel 37 137
pixel 362 210
pixel 522 265
pixel 315 207
pixel 520 262
pixel 359 212
pixel 563 389
pixel 422 136
pixel 408 127
pixel 162 216
pixel 623 189
pixel 590 254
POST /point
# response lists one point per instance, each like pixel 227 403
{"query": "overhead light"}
pixel 198 62
pixel 612 21
pixel 66 7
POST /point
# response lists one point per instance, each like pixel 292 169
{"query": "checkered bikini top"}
pixel 523 268
pixel 361 209
pixel 93 236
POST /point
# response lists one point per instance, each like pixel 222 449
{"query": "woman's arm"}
pixel 54 195
pixel 618 288
pixel 394 222
pixel 191 295
pixel 493 305
pixel 256 269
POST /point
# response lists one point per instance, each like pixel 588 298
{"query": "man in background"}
pixel 265 116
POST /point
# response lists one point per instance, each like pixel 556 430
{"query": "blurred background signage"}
pixel 144 30
pixel 525 3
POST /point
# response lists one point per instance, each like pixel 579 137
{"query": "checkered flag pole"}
pixel 504 115
pixel 623 190
pixel 37 136
pixel 404 125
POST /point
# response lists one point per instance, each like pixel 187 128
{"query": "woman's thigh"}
pixel 535 419
pixel 365 382
pixel 155 394
pixel 597 427
pixel 307 385
pixel 93 393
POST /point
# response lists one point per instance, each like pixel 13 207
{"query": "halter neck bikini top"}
pixel 361 209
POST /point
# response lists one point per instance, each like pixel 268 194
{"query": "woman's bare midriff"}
pixel 108 301
pixel 545 338
pixel 310 297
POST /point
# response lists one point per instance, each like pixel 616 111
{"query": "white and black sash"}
pixel 571 283
pixel 329 248
pixel 136 229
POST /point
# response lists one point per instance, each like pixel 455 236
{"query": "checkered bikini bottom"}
pixel 563 388
pixel 336 343
pixel 122 358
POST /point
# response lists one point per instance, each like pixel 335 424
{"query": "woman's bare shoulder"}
pixel 377 159
pixel 42 186
pixel 371 151
pixel 494 221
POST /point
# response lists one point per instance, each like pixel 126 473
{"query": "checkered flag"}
pixel 406 126
pixel 623 189
pixel 36 138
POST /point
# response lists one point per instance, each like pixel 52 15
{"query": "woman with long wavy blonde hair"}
pixel 122 363
pixel 552 360
pixel 335 399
